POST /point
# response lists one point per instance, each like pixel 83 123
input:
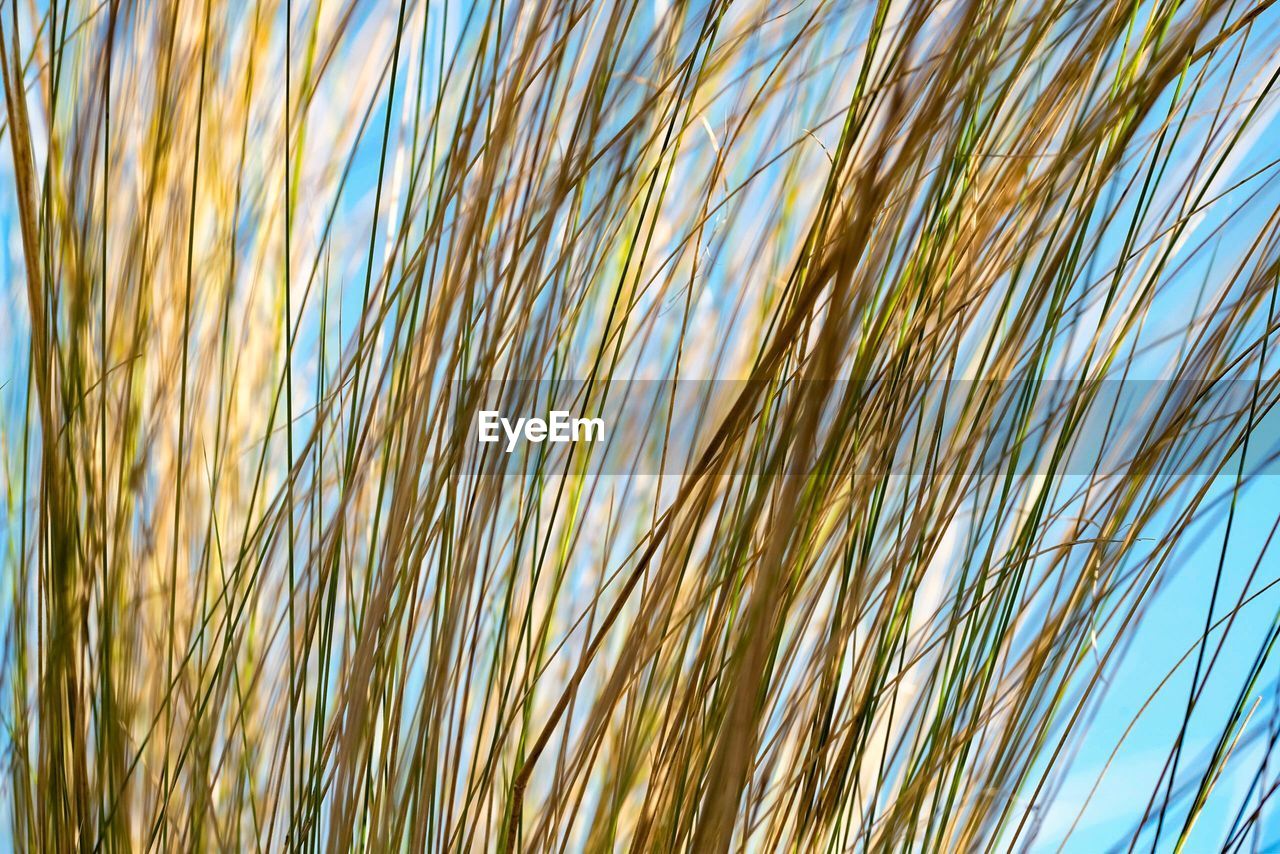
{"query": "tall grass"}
pixel 993 283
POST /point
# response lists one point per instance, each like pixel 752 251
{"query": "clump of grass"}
pixel 993 284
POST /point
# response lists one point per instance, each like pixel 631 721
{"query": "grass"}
pixel 938 343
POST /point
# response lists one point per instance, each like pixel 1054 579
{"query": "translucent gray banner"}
pixel 842 427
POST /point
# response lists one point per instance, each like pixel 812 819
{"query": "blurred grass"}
pixel 264 257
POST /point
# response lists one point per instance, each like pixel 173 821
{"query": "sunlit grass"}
pixel 994 284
